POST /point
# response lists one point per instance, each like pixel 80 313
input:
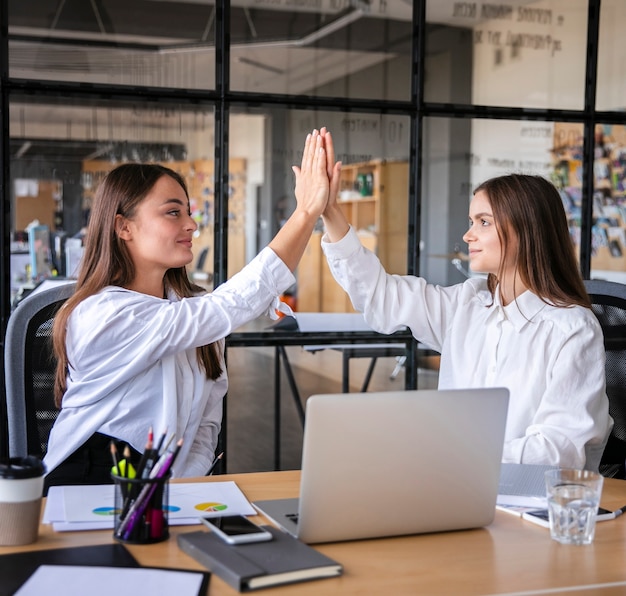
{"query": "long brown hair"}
pixel 106 261
pixel 530 209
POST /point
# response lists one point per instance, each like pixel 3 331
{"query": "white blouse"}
pixel 133 365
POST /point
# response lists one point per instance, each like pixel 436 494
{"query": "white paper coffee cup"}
pixel 21 488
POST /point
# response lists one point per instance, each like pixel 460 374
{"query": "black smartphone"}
pixel 236 529
pixel 542 518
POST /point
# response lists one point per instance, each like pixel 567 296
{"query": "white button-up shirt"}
pixel 133 364
pixel 551 359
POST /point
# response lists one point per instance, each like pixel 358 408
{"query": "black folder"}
pixel 16 568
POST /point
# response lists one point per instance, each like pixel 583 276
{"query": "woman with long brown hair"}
pixel 526 324
pixel 138 345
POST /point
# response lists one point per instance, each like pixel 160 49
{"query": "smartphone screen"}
pixel 236 529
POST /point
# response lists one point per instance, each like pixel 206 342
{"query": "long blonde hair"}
pixel 106 260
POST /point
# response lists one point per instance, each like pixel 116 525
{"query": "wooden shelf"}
pixel 374 197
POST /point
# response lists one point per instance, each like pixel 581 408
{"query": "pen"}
pixel 167 444
pixel 215 462
pixel 612 514
pixel 160 443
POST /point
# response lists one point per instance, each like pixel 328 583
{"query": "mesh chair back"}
pixel 29 370
pixel 609 306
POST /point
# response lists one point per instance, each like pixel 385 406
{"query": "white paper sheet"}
pixel 75 580
pixel 91 507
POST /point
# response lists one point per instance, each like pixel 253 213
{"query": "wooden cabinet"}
pixel 374 196
pixel 38 199
pixel 198 175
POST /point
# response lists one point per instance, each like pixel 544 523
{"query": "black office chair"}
pixel 30 368
pixel 609 306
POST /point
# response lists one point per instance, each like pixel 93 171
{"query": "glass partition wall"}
pixel 425 99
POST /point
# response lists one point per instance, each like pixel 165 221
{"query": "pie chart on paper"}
pixel 106 511
pixel 211 507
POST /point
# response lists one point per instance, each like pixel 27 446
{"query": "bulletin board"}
pixel 608 242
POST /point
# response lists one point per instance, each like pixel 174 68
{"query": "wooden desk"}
pixel 510 555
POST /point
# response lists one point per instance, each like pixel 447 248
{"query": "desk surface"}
pixel 510 555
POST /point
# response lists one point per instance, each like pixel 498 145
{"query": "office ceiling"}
pixel 125 41
pixel 172 24
pixel 76 34
pixel 285 46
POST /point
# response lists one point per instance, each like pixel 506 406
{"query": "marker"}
pixel 611 514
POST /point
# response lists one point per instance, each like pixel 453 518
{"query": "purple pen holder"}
pixel 141 508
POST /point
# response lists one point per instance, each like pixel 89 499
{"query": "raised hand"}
pixel 334 218
pixel 312 188
pixel 333 168
pixel 312 181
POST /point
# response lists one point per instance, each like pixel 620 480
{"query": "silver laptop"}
pixel 393 463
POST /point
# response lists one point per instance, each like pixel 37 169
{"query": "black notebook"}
pixel 282 560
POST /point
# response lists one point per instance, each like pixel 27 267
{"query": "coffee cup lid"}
pixel 22 467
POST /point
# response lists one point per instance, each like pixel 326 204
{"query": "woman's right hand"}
pixel 334 218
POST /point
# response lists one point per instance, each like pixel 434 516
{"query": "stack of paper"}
pixel 523 485
pixel 103 581
pixel 91 507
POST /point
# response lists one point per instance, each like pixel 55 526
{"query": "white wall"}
pixel 548 68
pixel 547 72
pixel 611 92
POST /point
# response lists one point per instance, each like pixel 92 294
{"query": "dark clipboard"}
pixel 16 568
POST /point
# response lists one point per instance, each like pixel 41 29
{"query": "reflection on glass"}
pixel 507 53
pixel 460 154
pixel 338 49
pixel 56 169
pixel 611 94
pixel 156 44
pixel 608 232
pixel 374 190
pixel 608 240
pixel 345 49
